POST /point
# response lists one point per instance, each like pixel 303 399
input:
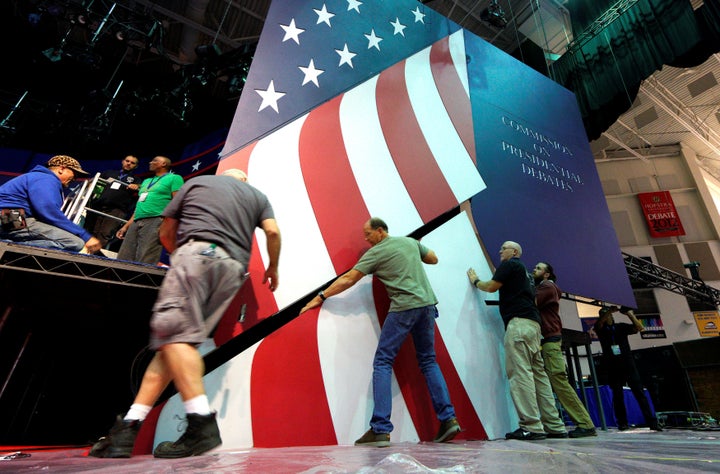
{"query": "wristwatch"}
pixel 322 295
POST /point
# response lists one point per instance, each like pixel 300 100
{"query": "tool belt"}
pixel 12 219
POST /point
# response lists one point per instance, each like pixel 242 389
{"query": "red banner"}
pixel 660 214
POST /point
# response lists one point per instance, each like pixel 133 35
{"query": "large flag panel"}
pixel 396 146
pixel 333 134
pixel 312 50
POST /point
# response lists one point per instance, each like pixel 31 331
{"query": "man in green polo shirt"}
pixel 398 263
pixel 140 234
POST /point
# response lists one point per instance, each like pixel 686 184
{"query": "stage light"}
pixel 53 54
pixel 694 268
pixel 236 84
pixel 494 15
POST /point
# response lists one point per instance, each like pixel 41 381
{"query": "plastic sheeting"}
pixel 639 450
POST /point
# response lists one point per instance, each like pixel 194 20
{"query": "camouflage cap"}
pixel 67 162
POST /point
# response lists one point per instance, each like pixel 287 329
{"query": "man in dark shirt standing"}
pixel 117 199
pixel 618 359
pixel 529 385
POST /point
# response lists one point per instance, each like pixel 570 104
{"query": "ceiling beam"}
pixel 221 38
pixel 622 144
pixel 676 109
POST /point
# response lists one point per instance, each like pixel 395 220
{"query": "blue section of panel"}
pixel 543 190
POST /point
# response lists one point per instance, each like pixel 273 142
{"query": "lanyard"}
pixel 155 181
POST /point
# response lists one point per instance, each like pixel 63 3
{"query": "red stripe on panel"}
pixel 468 418
pixel 252 303
pixel 258 299
pixel 418 169
pixel 288 400
pixel 146 435
pixel 452 93
pixel 339 208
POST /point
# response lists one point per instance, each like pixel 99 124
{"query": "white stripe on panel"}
pixel 348 332
pixel 228 391
pixel 473 331
pixel 375 172
pixel 275 169
pixel 442 138
pixel 457 52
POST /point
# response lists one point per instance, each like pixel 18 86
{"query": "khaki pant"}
pixel 529 385
pixel 555 368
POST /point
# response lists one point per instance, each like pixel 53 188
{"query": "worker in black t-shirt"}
pixel 117 199
pixel 618 359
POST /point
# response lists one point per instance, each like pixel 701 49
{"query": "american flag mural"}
pixel 312 50
pixel 384 130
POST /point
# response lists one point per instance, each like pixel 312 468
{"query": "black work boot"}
pixel 119 442
pixel 201 435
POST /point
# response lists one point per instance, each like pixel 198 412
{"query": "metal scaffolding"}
pixel 655 276
pixel 26 258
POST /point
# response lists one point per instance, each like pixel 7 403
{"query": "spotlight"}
pixel 494 15
pixel 236 84
pixel 53 54
pixel 694 268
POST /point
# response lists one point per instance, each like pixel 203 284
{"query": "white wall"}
pixel 696 196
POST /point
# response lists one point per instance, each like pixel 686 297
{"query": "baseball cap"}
pixel 67 162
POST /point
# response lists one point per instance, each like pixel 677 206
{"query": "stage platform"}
pixel 639 450
pixel 56 263
pixel 69 320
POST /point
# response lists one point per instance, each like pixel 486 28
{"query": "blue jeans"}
pixel 420 322
pixel 39 234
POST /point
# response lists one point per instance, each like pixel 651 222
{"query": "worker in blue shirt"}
pixel 30 208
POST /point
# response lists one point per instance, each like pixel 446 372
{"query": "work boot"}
pixel 201 435
pixel 371 438
pixel 580 432
pixel 119 442
pixel 448 430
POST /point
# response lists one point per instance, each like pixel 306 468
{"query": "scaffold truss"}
pixel 655 276
pixel 25 258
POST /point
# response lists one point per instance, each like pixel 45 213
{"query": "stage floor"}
pixel 638 450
